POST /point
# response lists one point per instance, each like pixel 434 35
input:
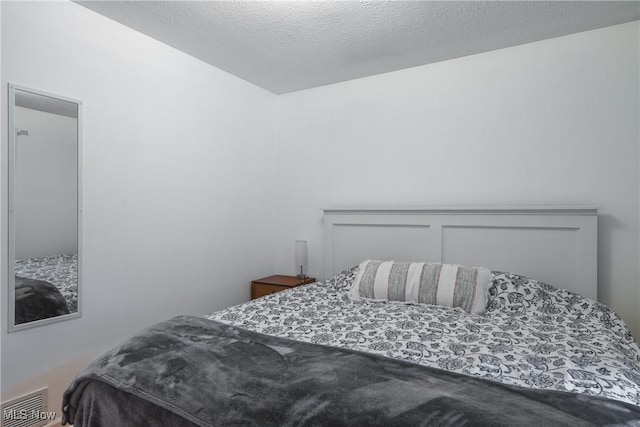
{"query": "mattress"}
pixel 59 270
pixel 532 334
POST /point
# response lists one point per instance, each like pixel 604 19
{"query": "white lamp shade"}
pixel 302 256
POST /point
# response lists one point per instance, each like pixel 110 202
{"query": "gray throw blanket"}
pixel 37 300
pixel 194 371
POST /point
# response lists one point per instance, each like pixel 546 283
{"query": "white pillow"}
pixel 423 283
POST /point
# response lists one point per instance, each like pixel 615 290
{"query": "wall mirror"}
pixel 44 218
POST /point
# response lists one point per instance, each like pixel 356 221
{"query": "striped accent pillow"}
pixel 425 283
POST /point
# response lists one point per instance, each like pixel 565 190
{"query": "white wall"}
pixel 547 123
pixel 46 184
pixel 178 183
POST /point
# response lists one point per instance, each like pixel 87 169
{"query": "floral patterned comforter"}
pixel 532 335
pixel 59 270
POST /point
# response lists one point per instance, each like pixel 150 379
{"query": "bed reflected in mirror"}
pixel 44 215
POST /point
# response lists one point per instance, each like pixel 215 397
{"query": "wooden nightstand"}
pixel 273 284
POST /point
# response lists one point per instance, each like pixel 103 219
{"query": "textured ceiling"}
pixel 289 46
pixel 47 104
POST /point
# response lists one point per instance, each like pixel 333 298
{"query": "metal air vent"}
pixel 29 410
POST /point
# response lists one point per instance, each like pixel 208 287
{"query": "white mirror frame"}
pixel 10 276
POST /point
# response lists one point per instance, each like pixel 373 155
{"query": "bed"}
pixel 45 287
pixel 315 355
pixel 37 300
pixel 61 271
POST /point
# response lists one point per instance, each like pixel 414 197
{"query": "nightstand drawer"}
pixel 261 289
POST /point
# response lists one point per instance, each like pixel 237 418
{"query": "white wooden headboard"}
pixel 555 245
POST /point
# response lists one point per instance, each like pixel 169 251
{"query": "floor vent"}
pixel 29 410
